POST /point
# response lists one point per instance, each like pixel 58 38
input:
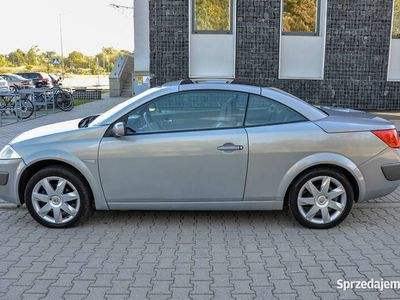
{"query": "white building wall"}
pixel 142 35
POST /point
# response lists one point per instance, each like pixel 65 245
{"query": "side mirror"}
pixel 118 129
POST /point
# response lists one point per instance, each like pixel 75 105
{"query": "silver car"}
pixel 17 82
pixel 204 146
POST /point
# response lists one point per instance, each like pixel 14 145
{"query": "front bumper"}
pixel 10 170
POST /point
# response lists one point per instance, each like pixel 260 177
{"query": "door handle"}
pixel 229 147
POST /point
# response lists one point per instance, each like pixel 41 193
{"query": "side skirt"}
pixel 204 206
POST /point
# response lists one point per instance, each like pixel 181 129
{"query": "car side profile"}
pixel 39 80
pixel 16 82
pixel 204 146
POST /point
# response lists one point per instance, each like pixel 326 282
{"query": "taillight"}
pixel 389 136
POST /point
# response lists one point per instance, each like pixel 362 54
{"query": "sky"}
pixel 88 25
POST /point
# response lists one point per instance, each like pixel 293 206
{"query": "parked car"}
pixel 205 146
pixel 40 80
pixel 55 80
pixel 3 84
pixel 17 82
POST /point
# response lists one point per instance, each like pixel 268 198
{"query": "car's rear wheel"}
pixel 321 198
pixel 57 197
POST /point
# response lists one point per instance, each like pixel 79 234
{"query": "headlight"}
pixel 9 153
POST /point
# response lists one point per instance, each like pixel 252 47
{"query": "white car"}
pixel 3 85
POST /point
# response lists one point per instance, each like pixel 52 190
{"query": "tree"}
pixel 41 61
pixel 17 58
pixel 32 56
pixel 300 16
pixel 78 59
pixel 3 61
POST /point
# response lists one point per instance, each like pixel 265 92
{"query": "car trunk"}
pixel 349 120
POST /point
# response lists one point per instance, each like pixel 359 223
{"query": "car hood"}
pixel 350 120
pixel 48 130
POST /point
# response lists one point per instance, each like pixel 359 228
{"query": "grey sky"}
pixel 88 25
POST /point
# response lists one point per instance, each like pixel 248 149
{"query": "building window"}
pixel 396 20
pixel 212 16
pixel 301 17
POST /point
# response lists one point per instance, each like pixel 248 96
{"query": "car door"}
pixel 279 137
pixel 188 146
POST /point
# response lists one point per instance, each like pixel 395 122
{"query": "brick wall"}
pixel 356 59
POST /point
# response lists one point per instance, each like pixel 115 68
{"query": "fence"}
pixel 87 94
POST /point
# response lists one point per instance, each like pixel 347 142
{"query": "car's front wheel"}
pixel 321 198
pixel 57 197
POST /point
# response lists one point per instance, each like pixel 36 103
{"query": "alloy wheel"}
pixel 56 200
pixel 321 200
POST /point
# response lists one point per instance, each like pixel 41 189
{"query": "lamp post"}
pixel 62 47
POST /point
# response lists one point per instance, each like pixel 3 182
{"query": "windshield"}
pixel 17 77
pixel 103 118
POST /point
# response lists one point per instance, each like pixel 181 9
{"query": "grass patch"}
pixel 78 102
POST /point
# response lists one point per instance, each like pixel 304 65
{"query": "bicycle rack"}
pixel 46 95
pixel 4 109
pixel 40 97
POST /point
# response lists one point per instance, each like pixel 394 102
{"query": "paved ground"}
pixel 195 255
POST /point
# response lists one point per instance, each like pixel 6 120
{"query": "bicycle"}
pixel 62 98
pixel 13 104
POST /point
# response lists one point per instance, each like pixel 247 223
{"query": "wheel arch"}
pixel 30 170
pixel 324 160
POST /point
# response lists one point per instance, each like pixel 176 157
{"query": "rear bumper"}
pixel 381 174
pixel 3 178
pixel 9 172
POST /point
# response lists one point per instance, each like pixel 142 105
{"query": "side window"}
pixel 189 111
pixel 263 111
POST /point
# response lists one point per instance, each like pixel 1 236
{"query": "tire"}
pixel 58 209
pixel 64 101
pixel 26 110
pixel 321 198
